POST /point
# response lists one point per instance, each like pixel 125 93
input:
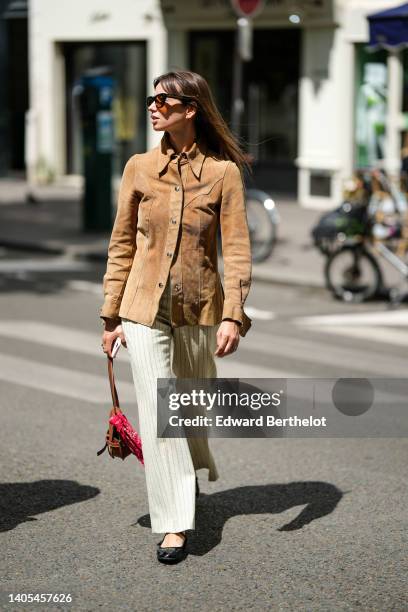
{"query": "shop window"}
pixel 370 106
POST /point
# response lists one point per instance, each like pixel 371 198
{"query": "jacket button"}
pixel 174 220
pixel 177 188
pixel 160 284
pixel 169 254
pixel 177 287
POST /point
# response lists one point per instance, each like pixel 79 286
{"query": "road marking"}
pixel 257 313
pixel 65 382
pixel 372 326
pixel 57 336
pixel 62 381
pixel 87 286
pixel 325 353
pixel 42 265
pixel 229 368
pixel 328 354
pixel 88 343
pixel 388 317
pixel 385 335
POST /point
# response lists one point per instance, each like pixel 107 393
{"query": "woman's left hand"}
pixel 227 338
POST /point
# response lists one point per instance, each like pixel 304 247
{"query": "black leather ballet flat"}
pixel 171 554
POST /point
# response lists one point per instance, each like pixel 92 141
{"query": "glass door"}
pixel 269 128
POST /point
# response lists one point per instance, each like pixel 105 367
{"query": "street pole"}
pixel 242 52
pixel 245 10
pixel 237 101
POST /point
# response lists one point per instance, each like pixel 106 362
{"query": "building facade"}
pixel 303 89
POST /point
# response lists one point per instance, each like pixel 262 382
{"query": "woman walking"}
pixel 163 293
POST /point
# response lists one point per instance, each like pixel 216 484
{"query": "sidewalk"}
pixel 52 224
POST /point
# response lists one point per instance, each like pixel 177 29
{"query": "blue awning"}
pixel 389 29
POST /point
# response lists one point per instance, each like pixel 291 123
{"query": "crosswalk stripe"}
pixel 257 313
pixel 297 349
pixel 42 265
pixel 327 354
pixel 86 286
pixel 385 335
pixel 85 386
pixel 227 368
pixel 387 317
pixel 88 343
pixel 62 381
pixel 57 336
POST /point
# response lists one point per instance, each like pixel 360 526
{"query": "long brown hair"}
pixel 209 124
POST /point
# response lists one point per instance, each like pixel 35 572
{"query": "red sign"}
pixel 247 8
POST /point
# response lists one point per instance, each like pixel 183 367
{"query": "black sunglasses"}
pixel 161 98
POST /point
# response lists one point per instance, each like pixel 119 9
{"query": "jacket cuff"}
pixel 110 308
pixel 232 310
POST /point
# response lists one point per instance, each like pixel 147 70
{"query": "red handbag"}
pixel 121 438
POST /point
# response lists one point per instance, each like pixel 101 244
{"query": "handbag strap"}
pixel 115 397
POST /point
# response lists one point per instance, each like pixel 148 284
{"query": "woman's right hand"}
pixel 111 332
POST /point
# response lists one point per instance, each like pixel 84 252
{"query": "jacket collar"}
pixel 195 155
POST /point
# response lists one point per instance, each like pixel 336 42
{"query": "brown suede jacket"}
pixel 169 208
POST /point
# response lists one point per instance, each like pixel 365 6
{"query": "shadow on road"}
pixel 213 511
pixel 20 501
pixel 46 283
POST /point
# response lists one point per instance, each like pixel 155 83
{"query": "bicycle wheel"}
pixel 262 230
pixel 352 274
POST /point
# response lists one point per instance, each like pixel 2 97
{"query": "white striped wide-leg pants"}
pixel 161 351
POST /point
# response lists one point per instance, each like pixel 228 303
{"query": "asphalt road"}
pixel 291 524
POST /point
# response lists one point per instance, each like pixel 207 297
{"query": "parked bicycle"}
pixel 371 224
